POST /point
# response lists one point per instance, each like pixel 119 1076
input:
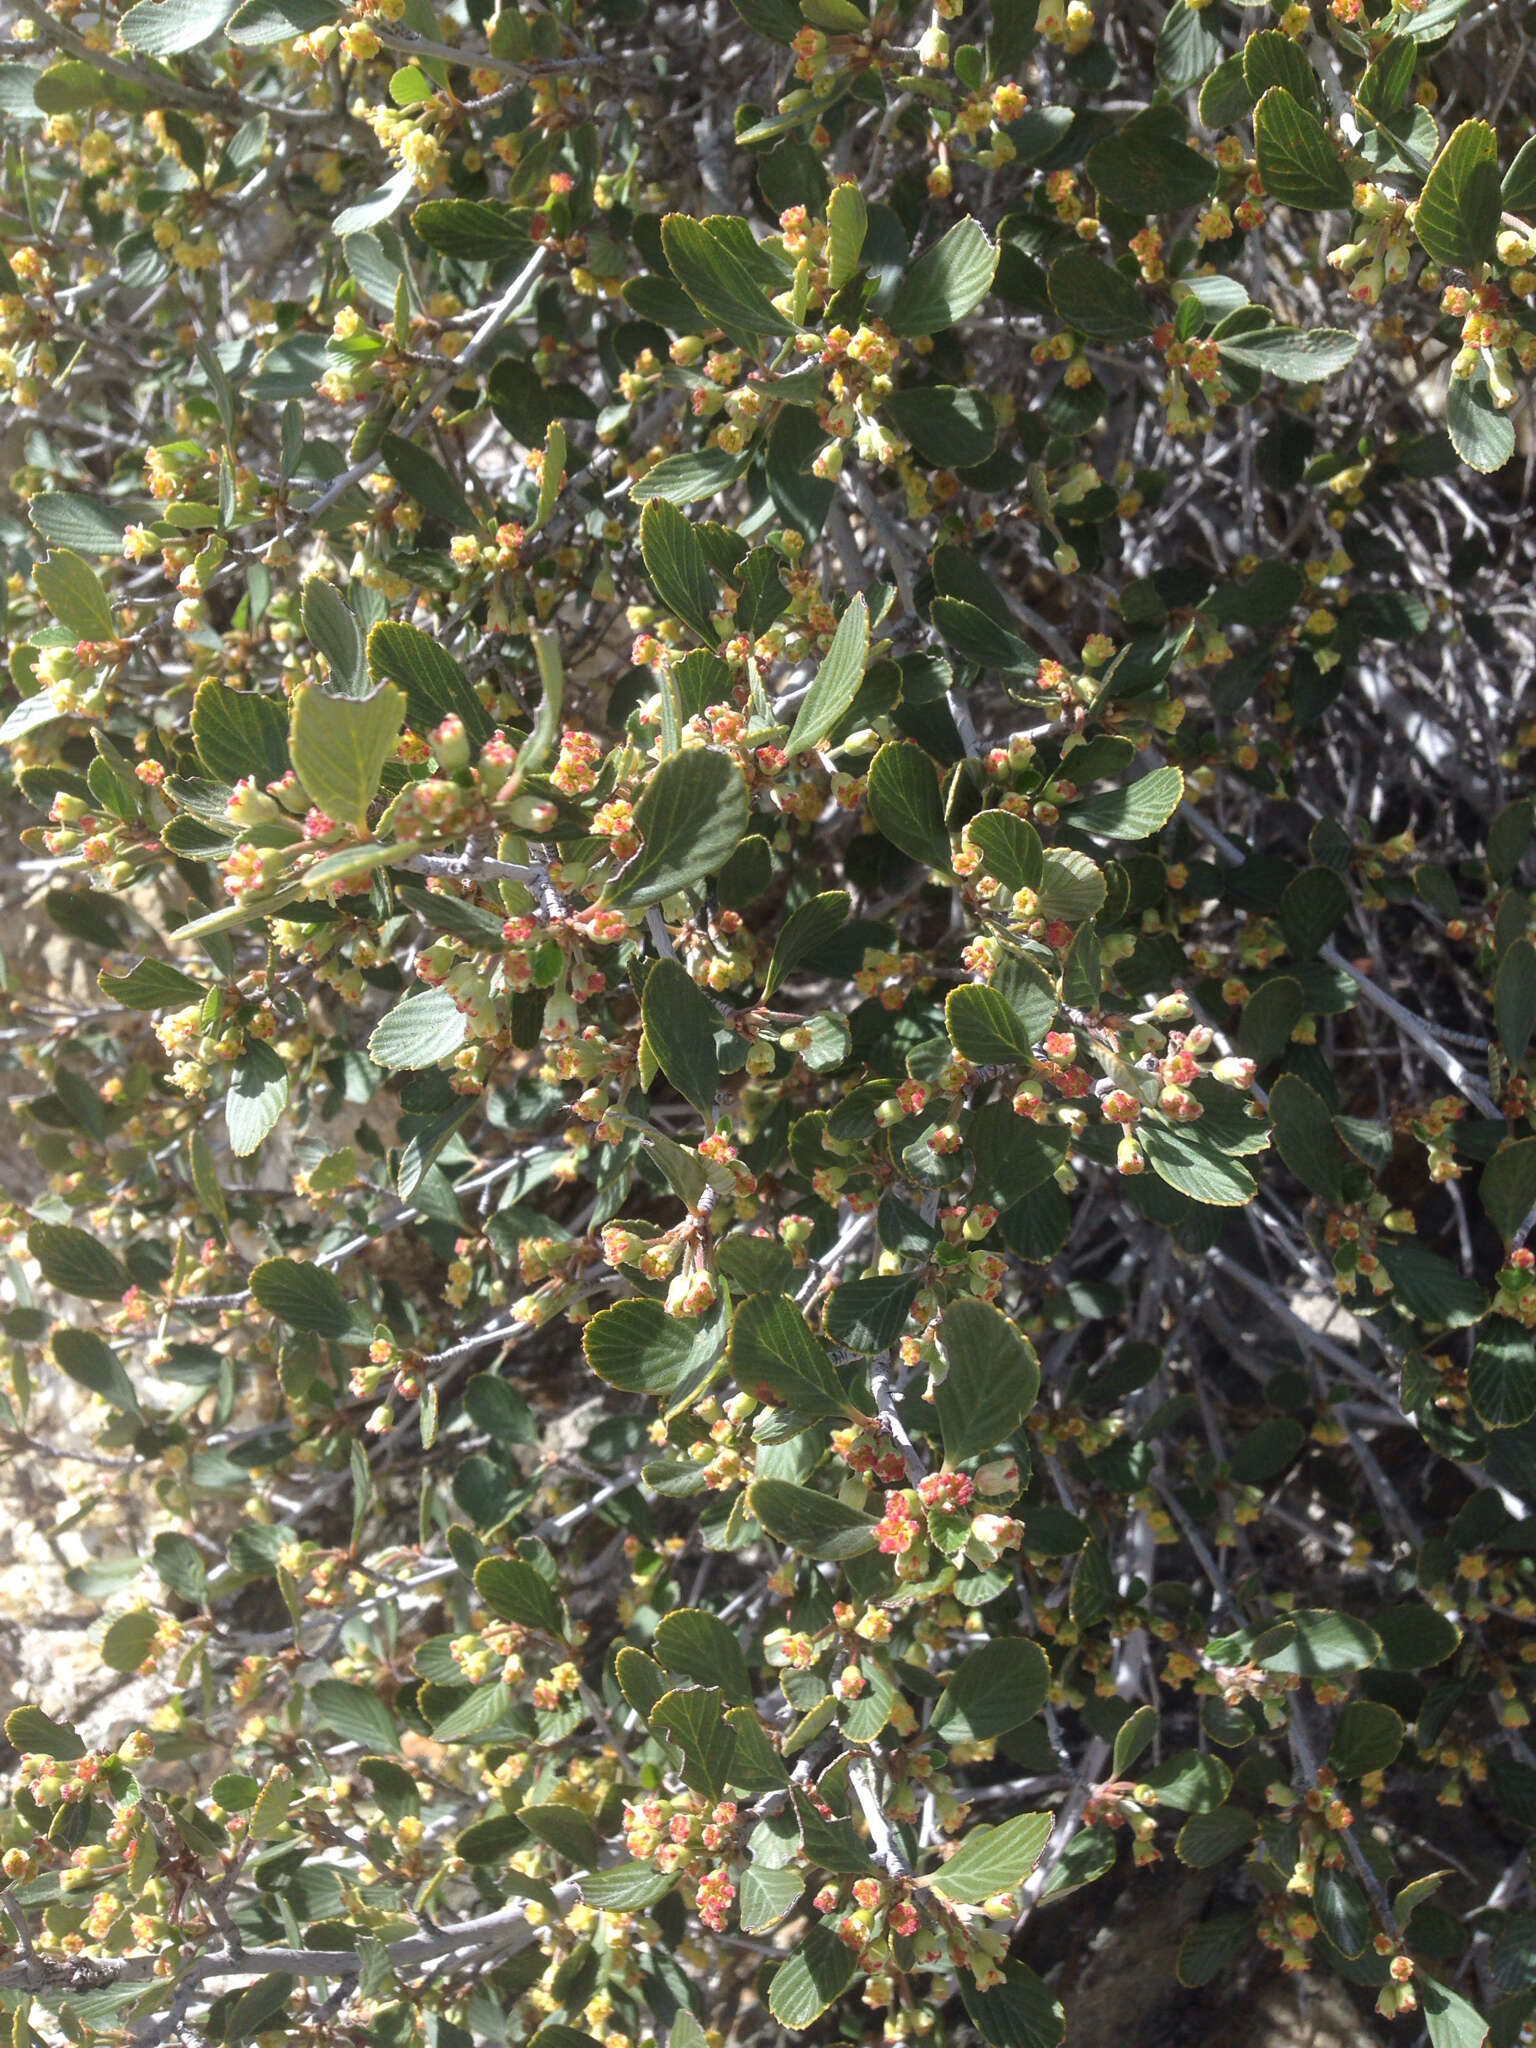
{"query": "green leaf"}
pixel 1018 2013
pixel 419 1032
pixel 239 733
pixel 905 803
pixel 67 520
pixel 681 479
pixel 637 1347
pixel 1296 355
pixel 1096 299
pixel 991 1380
pixel 1518 193
pixel 985 1028
pixel 1451 2020
pixel 1342 1910
pixel 1187 47
pixel 847 225
pixel 813 1523
pixel 768 1896
pixel 129 1640
pixel 303 1296
pixel 331 626
pixel 869 1315
pixel 1271 58
pixel 1010 848
pixel 1429 1287
pixel 1135 812
pixel 1305 1138
pixel 949 428
pixel 1212 1946
pixel 339 747
pixel 151 985
pixel 694 1719
pixel 166 28
pixel 836 682
pixel 92 1363
pixel 819 1971
pixel 515 1591
pixel 696 1645
pixel 471 230
pixel 72 591
pixel 256 1098
pixel 486 1708
pixel 1414 1637
pixel 355 1713
pixel 34 1733
pixel 1146 167
pixel 1190 1782
pixel 1131 1738
pixel 945 283
pixel 75 1262
pixel 1366 1737
pixel 1316 1642
pixel 1189 1160
pixel 718 281
pixel 774 1356
pixel 1501 1378
pixel 1207 1839
pixel 1514 1001
pixel 993 1859
pixel 627 1887
pixel 1458 212
pixel 1482 436
pixel 997 1688
pixel 432 680
pixel 692 814
pixel 676 564
pixel 680 1023
pixel 1071 886
pixel 1311 907
pixel 1508 1186
pixel 1269 1017
pixel 805 933
pixel 1298 165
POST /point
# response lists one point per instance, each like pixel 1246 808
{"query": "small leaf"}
pixel 718 281
pixel 92 1363
pixel 72 591
pixel 1508 1187
pixel 1295 355
pixel 256 1098
pixel 847 225
pixel 819 1971
pixel 339 747
pixel 1096 299
pixel 354 1712
pixel 682 479
pixel 696 1645
pixel 151 985
pixel 945 283
pixel 1482 436
pixel 239 733
pixel 804 934
pixel 905 803
pixel 680 1023
pixel 1009 847
pixel 985 1028
pixel 33 1733
pixel 75 1262
pixel 1135 812
pixel 419 1032
pixel 1305 1138
pixel 627 1887
pixel 694 1719
pixel 1501 1378
pixel 991 1380
pixel 1317 1643
pixel 303 1296
pixel 637 1347
pixel 1458 212
pixel 515 1591
pixel 692 815
pixel 1187 1159
pixel 1298 164
pixel 1514 1001
pixel 471 230
pixel 1021 2012
pixel 813 1523
pixel 836 682
pixel 1366 1737
pixel 432 680
pixel 1452 2022
pixel 774 1356
pixel 66 519
pixel 993 1859
pixel 332 627
pixel 997 1689
pixel 130 1640
pixel 948 428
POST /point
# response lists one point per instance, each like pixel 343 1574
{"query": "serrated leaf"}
pixel 985 1028
pixel 804 934
pixel 773 1355
pixel 1135 812
pixel 945 283
pixel 239 733
pixel 1317 1642
pixel 696 1645
pixel 1010 848
pixel 72 591
pixel 718 281
pixel 993 1859
pixel 1296 355
pixel 1514 1001
pixel 354 1712
pixel 167 28
pixel 637 1347
pixel 693 1718
pixel 1507 1189
pixel 692 814
pixel 1482 436
pixel 66 519
pixel 151 985
pixel 1304 1136
pixel 1298 164
pixel 130 1640
pixel 905 803
pixel 303 1296
pixel 419 1032
pixel 1366 1737
pixel 340 744
pixel 991 1380
pixel 819 1971
pixel 471 230
pixel 680 1023
pixel 836 682
pixel 813 1523
pixel 432 680
pixel 91 1363
pixel 947 427
pixel 75 1262
pixel 627 1888
pixel 1458 211
pixel 1501 1378
pixel 515 1591
pixel 1096 299
pixel 1190 1161
pixel 33 1733
pixel 996 1689
pixel 256 1097
pixel 683 479
pixel 331 626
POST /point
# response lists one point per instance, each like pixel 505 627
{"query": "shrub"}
pixel 788 746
